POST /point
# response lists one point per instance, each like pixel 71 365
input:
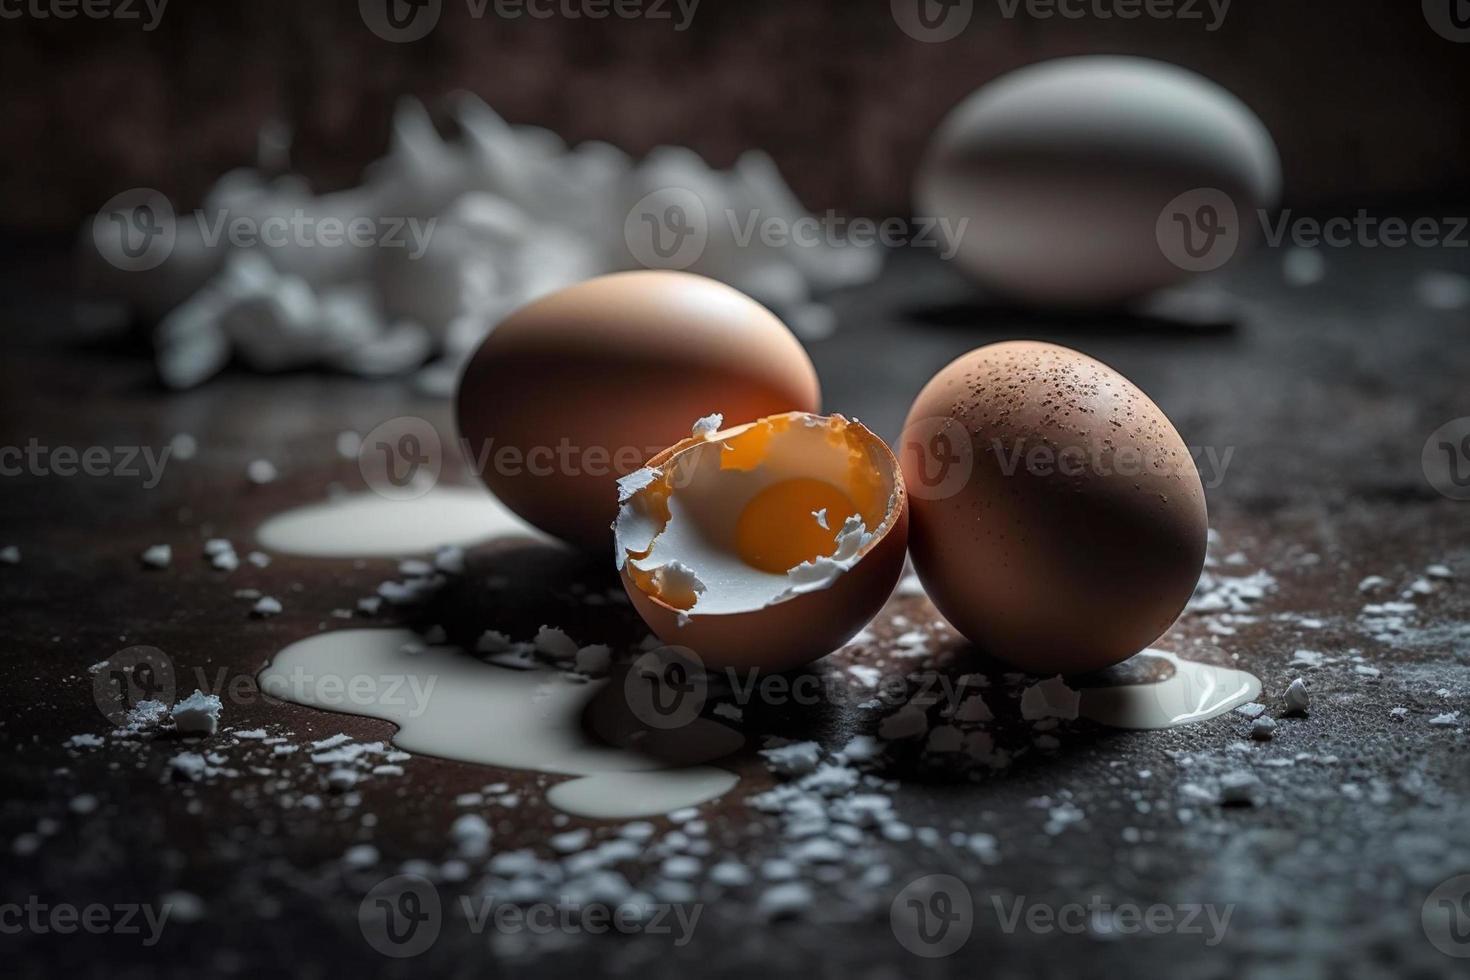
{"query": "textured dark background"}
pixel 1327 394
pixel 1364 99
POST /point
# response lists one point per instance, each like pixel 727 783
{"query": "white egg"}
pixel 1087 182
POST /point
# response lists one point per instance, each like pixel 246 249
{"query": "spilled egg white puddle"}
pixel 453 706
pixel 365 525
pixel 1194 692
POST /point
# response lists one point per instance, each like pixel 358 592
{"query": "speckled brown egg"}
pixel 579 388
pixel 1057 517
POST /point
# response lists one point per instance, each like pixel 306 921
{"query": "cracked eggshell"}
pixel 614 369
pixel 1058 518
pixel 822 611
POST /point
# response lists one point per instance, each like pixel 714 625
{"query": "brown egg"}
pixel 1058 520
pixel 579 388
pixel 766 545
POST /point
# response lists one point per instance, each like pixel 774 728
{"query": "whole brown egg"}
pixel 1057 519
pixel 579 388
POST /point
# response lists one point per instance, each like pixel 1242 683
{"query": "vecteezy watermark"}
pixel 566 458
pixel 1446 459
pixel 1209 13
pixel 1099 459
pixel 669 687
pixel 666 688
pixel 38 917
pixel 938 455
pixel 405 21
pixel 932 916
pixel 1365 230
pixel 1202 229
pixel 147 13
pixel 145 673
pixel 1199 231
pixel 1099 916
pixel 401 459
pixel 403 916
pixel 138 229
pixel 834 687
pixel 932 21
pixel 671 227
pixel 129 677
pixel 410 690
pixel 943 20
pixel 125 462
pixel 667 229
pixel 1450 19
pixel 1445 917
pixel 673 919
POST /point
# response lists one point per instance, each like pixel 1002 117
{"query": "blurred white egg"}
pixel 1087 182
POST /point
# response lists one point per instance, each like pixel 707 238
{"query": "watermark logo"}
pixel 666 688
pixel 670 228
pixel 937 455
pixel 1450 19
pixel 1199 231
pixel 147 12
pixel 1446 459
pixel 400 21
pixel 1100 917
pixel 411 691
pixel 136 230
pixel 401 916
pixel 401 459
pixel 1364 230
pixel 1210 13
pixel 41 918
pixel 932 21
pixel 405 21
pixel 127 462
pixel 933 916
pixel 1446 917
pixel 132 675
pixel 667 229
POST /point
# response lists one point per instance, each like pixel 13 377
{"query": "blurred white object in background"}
pixel 1440 290
pixel 455 234
pixel 1303 266
pixel 1090 182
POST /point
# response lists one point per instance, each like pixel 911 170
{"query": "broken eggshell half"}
pixel 766 545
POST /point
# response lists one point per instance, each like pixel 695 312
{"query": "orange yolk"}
pixel 777 530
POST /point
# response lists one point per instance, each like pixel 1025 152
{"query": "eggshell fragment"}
pixel 579 388
pixel 1058 519
pixel 712 565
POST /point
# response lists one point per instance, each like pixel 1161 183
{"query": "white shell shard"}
pixel 636 525
pixel 636 481
pixel 707 426
pixel 678 584
pixel 820 573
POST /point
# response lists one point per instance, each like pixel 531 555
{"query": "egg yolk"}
pixel 778 529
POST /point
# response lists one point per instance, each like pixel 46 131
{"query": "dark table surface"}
pixel 1325 394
